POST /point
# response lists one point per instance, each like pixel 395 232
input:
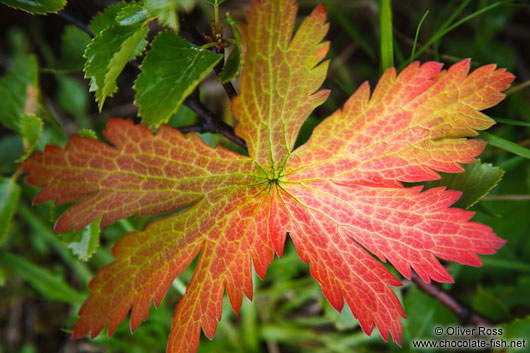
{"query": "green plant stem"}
pixel 17 173
pixel 518 87
pixel 416 36
pixel 385 33
pixel 216 16
pixel 208 45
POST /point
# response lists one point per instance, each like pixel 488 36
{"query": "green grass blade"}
pixel 444 31
pixel 43 230
pixel 50 285
pixel 9 196
pixel 349 28
pixel 506 145
pixel 385 32
pixel 512 122
pixel 416 36
pixel 505 264
pixel 454 14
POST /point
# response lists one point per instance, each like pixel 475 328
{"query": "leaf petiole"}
pixel 208 45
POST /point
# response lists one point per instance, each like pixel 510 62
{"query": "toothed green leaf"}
pixel 132 14
pixel 112 48
pixel 165 12
pixel 85 242
pixel 170 72
pixel 475 183
pixel 39 7
pixel 106 18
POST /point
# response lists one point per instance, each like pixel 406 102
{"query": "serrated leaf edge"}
pixel 186 92
pixel 36 12
pixel 502 172
pixel 107 68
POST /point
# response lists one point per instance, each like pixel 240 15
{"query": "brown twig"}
pixel 72 20
pixel 210 122
pixel 464 314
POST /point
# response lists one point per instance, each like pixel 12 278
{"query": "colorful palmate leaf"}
pixel 337 196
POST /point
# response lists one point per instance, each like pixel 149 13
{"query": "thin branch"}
pixel 211 123
pixel 518 87
pixel 69 18
pixel 463 313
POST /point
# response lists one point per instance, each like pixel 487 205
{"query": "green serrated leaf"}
pixel 475 182
pixel 165 12
pixel 18 89
pixel 132 14
pixel 30 129
pixel 109 52
pixel 215 2
pixel 85 242
pixel 88 133
pixel 106 18
pixel 9 196
pixel 170 72
pixel 233 64
pixel 40 7
pixel 49 285
pixel 74 43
